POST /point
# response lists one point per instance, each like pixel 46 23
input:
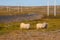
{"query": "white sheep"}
pixel 41 25
pixel 24 26
pixel 45 25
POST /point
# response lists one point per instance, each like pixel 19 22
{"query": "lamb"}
pixel 45 25
pixel 24 26
pixel 41 25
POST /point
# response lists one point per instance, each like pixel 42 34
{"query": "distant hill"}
pixel 13 10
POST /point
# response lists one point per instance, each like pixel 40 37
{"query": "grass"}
pixel 53 22
pixel 33 9
pixel 6 28
pixel 53 25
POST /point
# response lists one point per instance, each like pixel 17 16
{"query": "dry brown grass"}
pixel 13 10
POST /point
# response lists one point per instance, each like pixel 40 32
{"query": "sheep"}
pixel 41 25
pixel 24 26
pixel 45 25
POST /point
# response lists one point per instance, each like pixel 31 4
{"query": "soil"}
pixel 31 35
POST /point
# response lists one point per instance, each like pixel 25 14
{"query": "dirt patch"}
pixel 31 35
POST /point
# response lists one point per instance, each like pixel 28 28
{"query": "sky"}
pixel 27 2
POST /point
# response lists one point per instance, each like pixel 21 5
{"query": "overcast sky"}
pixel 27 2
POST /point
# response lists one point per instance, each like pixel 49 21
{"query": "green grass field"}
pixel 53 25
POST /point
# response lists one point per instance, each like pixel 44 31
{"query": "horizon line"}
pixel 28 6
